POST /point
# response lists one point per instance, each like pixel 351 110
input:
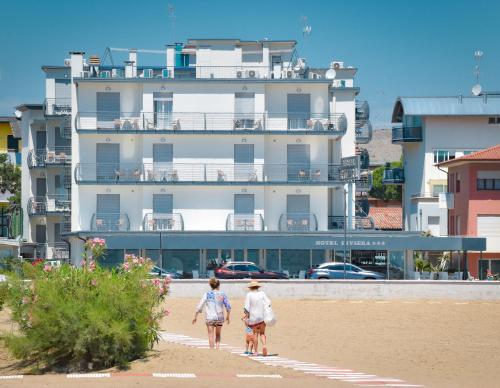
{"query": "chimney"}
pixel 129 69
pixel 76 59
pixel 132 57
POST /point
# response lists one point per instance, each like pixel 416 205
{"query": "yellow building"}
pixel 9 144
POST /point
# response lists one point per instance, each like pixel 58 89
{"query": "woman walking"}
pixel 256 303
pixel 214 301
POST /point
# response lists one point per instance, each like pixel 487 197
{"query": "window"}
pixel 457 184
pixel 241 267
pixel 251 53
pixel 433 220
pixel 494 120
pixel 488 184
pixel 457 228
pixel 253 268
pixel 442 156
pixel 436 189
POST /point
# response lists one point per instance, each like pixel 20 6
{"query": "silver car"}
pixel 336 271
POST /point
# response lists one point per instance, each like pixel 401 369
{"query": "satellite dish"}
pixel 477 89
pixel 330 74
pixel 18 113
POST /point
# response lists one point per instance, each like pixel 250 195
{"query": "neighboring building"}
pixel 473 203
pixel 46 172
pixel 229 149
pixel 9 140
pixel 433 130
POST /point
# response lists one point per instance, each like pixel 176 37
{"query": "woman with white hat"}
pixel 256 304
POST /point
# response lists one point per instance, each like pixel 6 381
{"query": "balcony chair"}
pixel 318 126
pixel 221 176
pixel 304 223
pixel 51 157
pixel 127 125
pixel 257 126
pixel 117 124
pixel 317 175
pixel 176 125
pixel 62 157
pixel 329 125
pixel 135 124
pixel 309 124
pixel 136 174
pixel 118 174
pixel 302 174
pixel 252 177
pixel 174 177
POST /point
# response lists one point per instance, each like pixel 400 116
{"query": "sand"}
pixel 433 343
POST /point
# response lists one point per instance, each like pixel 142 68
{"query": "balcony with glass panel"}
pixel 406 134
pixel 57 106
pixel 334 124
pixel 207 173
pixel 162 222
pixel 393 176
pixel 49 204
pixel 110 222
pixel 54 156
pixel 244 223
pixel 298 222
pixel 359 223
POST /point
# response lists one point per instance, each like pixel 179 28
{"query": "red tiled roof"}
pixel 387 218
pixel 492 153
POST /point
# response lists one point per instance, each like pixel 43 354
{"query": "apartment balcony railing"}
pixel 48 204
pixel 162 221
pixel 298 222
pixel 365 181
pixel 360 223
pixel 393 176
pixel 249 72
pixel 210 173
pixel 364 133
pixel 406 134
pixel 244 222
pixel 425 195
pixel 57 106
pixel 331 123
pixel 364 159
pixel 52 251
pixel 110 222
pixel 55 156
pixel 362 113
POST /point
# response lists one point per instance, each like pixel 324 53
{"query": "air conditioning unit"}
pixel 315 75
pixel 147 73
pixel 239 74
pixel 288 74
pixel 337 65
pixel 251 74
pixel 114 73
pixel 165 73
pixel 105 74
pixel 67 62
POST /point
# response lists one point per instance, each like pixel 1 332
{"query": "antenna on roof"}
pixel 306 28
pixel 171 20
pixel 477 89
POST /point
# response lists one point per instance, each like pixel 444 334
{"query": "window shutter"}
pixel 163 203
pixel 244 204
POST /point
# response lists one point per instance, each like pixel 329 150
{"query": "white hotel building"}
pixel 229 149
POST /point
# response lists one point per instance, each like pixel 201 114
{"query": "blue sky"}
pixel 420 47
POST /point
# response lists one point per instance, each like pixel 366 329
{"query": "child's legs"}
pixel 218 330
pixel 210 330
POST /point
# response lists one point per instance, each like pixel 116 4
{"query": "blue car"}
pixel 162 273
pixel 336 271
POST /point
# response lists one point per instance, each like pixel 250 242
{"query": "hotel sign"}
pixel 349 168
pixel 350 243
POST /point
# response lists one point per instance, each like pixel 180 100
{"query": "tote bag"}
pixel 269 317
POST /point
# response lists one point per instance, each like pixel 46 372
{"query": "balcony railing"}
pixel 244 222
pixel 52 251
pixel 364 133
pixel 110 222
pixel 298 222
pixel 360 223
pixel 57 106
pixel 406 134
pixel 55 156
pixel 362 113
pixel 219 173
pixel 331 123
pixel 393 176
pixel 162 221
pixel 365 181
pixel 54 203
pixel 426 195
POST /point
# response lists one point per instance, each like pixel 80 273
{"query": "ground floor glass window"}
pixel 295 260
pixel 273 259
pixel 183 261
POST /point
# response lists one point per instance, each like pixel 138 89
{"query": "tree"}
pixel 10 178
pixel 385 192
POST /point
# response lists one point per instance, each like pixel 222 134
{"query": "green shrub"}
pixel 87 317
pixel 4 289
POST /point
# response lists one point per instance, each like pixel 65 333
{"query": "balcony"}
pixel 196 122
pixel 364 133
pixel 298 222
pixel 365 182
pixel 244 222
pixel 360 223
pixel 57 106
pixel 362 113
pixel 162 222
pixel 207 173
pixel 49 204
pixel 110 222
pixel 393 176
pixel 406 134
pixel 52 251
pixel 56 156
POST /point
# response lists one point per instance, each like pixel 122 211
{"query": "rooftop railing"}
pixel 332 123
pixel 50 156
pixel 162 221
pixel 298 222
pixel 110 222
pixel 57 106
pixel 53 203
pixel 360 223
pixel 393 176
pixel 244 222
pixel 406 134
pixel 213 173
pixel 364 133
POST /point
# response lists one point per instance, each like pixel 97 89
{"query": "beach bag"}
pixel 269 317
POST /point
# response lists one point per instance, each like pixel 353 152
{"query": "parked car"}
pixel 162 273
pixel 245 270
pixel 336 271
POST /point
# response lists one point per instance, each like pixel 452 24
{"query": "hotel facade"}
pixel 229 150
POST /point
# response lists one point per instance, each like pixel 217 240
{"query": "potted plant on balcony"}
pixel 422 267
pixel 443 263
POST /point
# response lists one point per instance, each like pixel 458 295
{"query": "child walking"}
pixel 249 337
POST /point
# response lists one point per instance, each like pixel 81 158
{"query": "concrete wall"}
pixel 347 289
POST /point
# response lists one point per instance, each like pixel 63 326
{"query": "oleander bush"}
pixel 88 317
